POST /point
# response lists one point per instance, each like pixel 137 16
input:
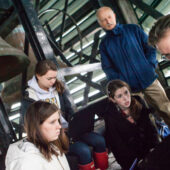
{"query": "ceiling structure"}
pixel 73 26
pixel 74 34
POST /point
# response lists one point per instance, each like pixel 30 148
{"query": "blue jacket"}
pixel 126 55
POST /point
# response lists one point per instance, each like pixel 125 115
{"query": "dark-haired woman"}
pixel 45 145
pixel 129 131
pixel 45 86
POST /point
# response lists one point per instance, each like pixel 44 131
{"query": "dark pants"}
pixel 81 148
pixel 159 158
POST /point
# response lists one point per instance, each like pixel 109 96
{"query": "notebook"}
pixel 80 123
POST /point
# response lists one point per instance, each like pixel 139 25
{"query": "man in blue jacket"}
pixel 126 55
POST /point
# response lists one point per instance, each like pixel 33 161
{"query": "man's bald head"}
pixel 106 18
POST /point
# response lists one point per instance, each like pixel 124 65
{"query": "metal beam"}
pixel 90 74
pixel 147 9
pixel 95 46
pixel 73 70
pixel 36 35
pixel 63 22
pixel 86 57
pixel 5 4
pixel 37 5
pixel 94 52
pixel 82 12
pixel 127 12
pixel 79 55
pixel 82 68
pixel 33 29
pixel 75 24
pixel 24 73
pixel 95 97
pixel 58 51
pixel 11 21
pixel 154 4
pixel 5 123
pixel 87 90
pixel 92 84
pixel 85 32
pixel 79 69
pixel 43 3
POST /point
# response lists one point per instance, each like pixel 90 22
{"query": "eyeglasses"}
pixel 165 56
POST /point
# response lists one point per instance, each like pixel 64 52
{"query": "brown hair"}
pixel 159 29
pixel 135 106
pixel 36 114
pixel 43 67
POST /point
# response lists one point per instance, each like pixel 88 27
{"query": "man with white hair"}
pixel 126 55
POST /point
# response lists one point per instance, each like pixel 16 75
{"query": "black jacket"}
pixel 128 141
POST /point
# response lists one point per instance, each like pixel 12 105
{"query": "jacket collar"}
pixel 115 31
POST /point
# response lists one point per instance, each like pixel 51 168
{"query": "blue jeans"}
pixel 81 148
